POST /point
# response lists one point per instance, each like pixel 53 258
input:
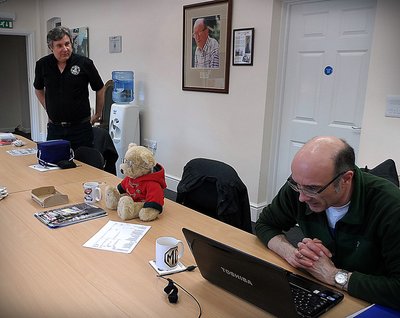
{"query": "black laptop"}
pixel 272 288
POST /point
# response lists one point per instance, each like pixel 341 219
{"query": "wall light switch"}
pixel 115 44
pixel 393 106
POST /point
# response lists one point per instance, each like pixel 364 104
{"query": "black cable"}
pixel 187 269
pixel 187 292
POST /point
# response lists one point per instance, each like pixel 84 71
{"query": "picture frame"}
pixel 243 46
pixel 206 46
pixel 80 41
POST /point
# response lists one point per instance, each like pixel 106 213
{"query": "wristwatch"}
pixel 341 278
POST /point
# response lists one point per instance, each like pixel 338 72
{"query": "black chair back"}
pixel 386 169
pixel 215 189
pixel 108 101
pixel 103 143
pixel 204 198
pixel 90 156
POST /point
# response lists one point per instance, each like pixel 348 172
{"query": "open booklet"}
pixel 70 214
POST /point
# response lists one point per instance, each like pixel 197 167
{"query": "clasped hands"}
pixel 315 258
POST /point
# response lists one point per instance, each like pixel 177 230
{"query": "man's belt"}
pixel 70 123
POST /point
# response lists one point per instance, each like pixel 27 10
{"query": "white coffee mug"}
pixel 168 252
pixel 92 192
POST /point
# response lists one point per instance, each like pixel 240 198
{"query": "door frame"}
pixel 278 100
pixel 33 102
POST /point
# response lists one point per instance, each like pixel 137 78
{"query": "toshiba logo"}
pixel 243 279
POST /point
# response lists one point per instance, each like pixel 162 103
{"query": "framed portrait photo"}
pixel 80 41
pixel 206 46
pixel 243 46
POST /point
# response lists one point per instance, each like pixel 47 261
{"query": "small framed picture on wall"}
pixel 80 41
pixel 243 46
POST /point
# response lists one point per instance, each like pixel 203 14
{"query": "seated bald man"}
pixel 350 219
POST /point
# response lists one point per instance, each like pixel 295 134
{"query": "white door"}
pixel 328 44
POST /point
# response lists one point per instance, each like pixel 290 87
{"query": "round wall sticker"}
pixel 328 70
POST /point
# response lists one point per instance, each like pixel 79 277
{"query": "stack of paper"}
pixel 7 138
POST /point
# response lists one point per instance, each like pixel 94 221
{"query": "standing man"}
pixel 61 85
pixel 207 50
pixel 350 219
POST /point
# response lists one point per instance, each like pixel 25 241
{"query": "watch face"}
pixel 341 278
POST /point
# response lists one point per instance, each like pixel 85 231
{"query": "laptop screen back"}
pixel 260 283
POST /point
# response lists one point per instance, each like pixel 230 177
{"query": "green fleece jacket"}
pixel 366 240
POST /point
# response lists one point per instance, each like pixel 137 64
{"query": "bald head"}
pixel 321 149
pixel 199 23
pixel 324 156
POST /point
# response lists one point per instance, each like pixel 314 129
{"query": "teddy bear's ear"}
pixel 132 145
pixel 148 158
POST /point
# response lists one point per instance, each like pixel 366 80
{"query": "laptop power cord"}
pixel 172 290
pixel 187 269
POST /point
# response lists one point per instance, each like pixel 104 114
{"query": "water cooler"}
pixel 124 115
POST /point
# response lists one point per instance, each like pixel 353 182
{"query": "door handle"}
pixel 356 127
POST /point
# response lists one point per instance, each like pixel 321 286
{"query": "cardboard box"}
pixel 48 196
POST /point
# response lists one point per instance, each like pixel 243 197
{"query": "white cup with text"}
pixel 92 192
pixel 168 252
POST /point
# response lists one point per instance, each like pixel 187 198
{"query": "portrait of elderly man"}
pixel 207 48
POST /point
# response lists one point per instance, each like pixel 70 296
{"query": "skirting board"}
pixel 12 129
pixel 7 129
pixel 255 210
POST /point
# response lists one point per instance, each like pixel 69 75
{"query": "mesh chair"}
pixel 90 156
pixel 215 189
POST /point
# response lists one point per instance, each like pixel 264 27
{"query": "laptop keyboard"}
pixel 308 303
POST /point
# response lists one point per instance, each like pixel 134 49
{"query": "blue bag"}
pixel 52 152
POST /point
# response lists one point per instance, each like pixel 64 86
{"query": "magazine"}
pixel 70 214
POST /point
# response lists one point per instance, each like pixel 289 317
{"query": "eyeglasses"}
pixel 131 164
pixel 197 34
pixel 311 191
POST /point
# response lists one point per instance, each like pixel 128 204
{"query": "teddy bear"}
pixel 141 192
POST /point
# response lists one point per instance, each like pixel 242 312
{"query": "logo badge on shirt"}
pixel 75 70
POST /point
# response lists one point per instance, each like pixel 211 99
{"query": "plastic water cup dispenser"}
pixel 124 115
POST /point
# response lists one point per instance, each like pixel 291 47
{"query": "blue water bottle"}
pixel 123 91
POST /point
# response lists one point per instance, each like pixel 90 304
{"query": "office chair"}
pixel 215 189
pixel 108 101
pixel 102 141
pixel 90 156
pixel 386 169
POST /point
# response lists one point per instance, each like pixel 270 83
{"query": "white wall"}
pixel 380 136
pixel 235 127
pixel 226 127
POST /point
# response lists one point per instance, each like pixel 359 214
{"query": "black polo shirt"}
pixel 66 93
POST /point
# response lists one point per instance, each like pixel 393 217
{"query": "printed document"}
pixel 118 237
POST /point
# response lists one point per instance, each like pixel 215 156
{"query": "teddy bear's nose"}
pixel 122 171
